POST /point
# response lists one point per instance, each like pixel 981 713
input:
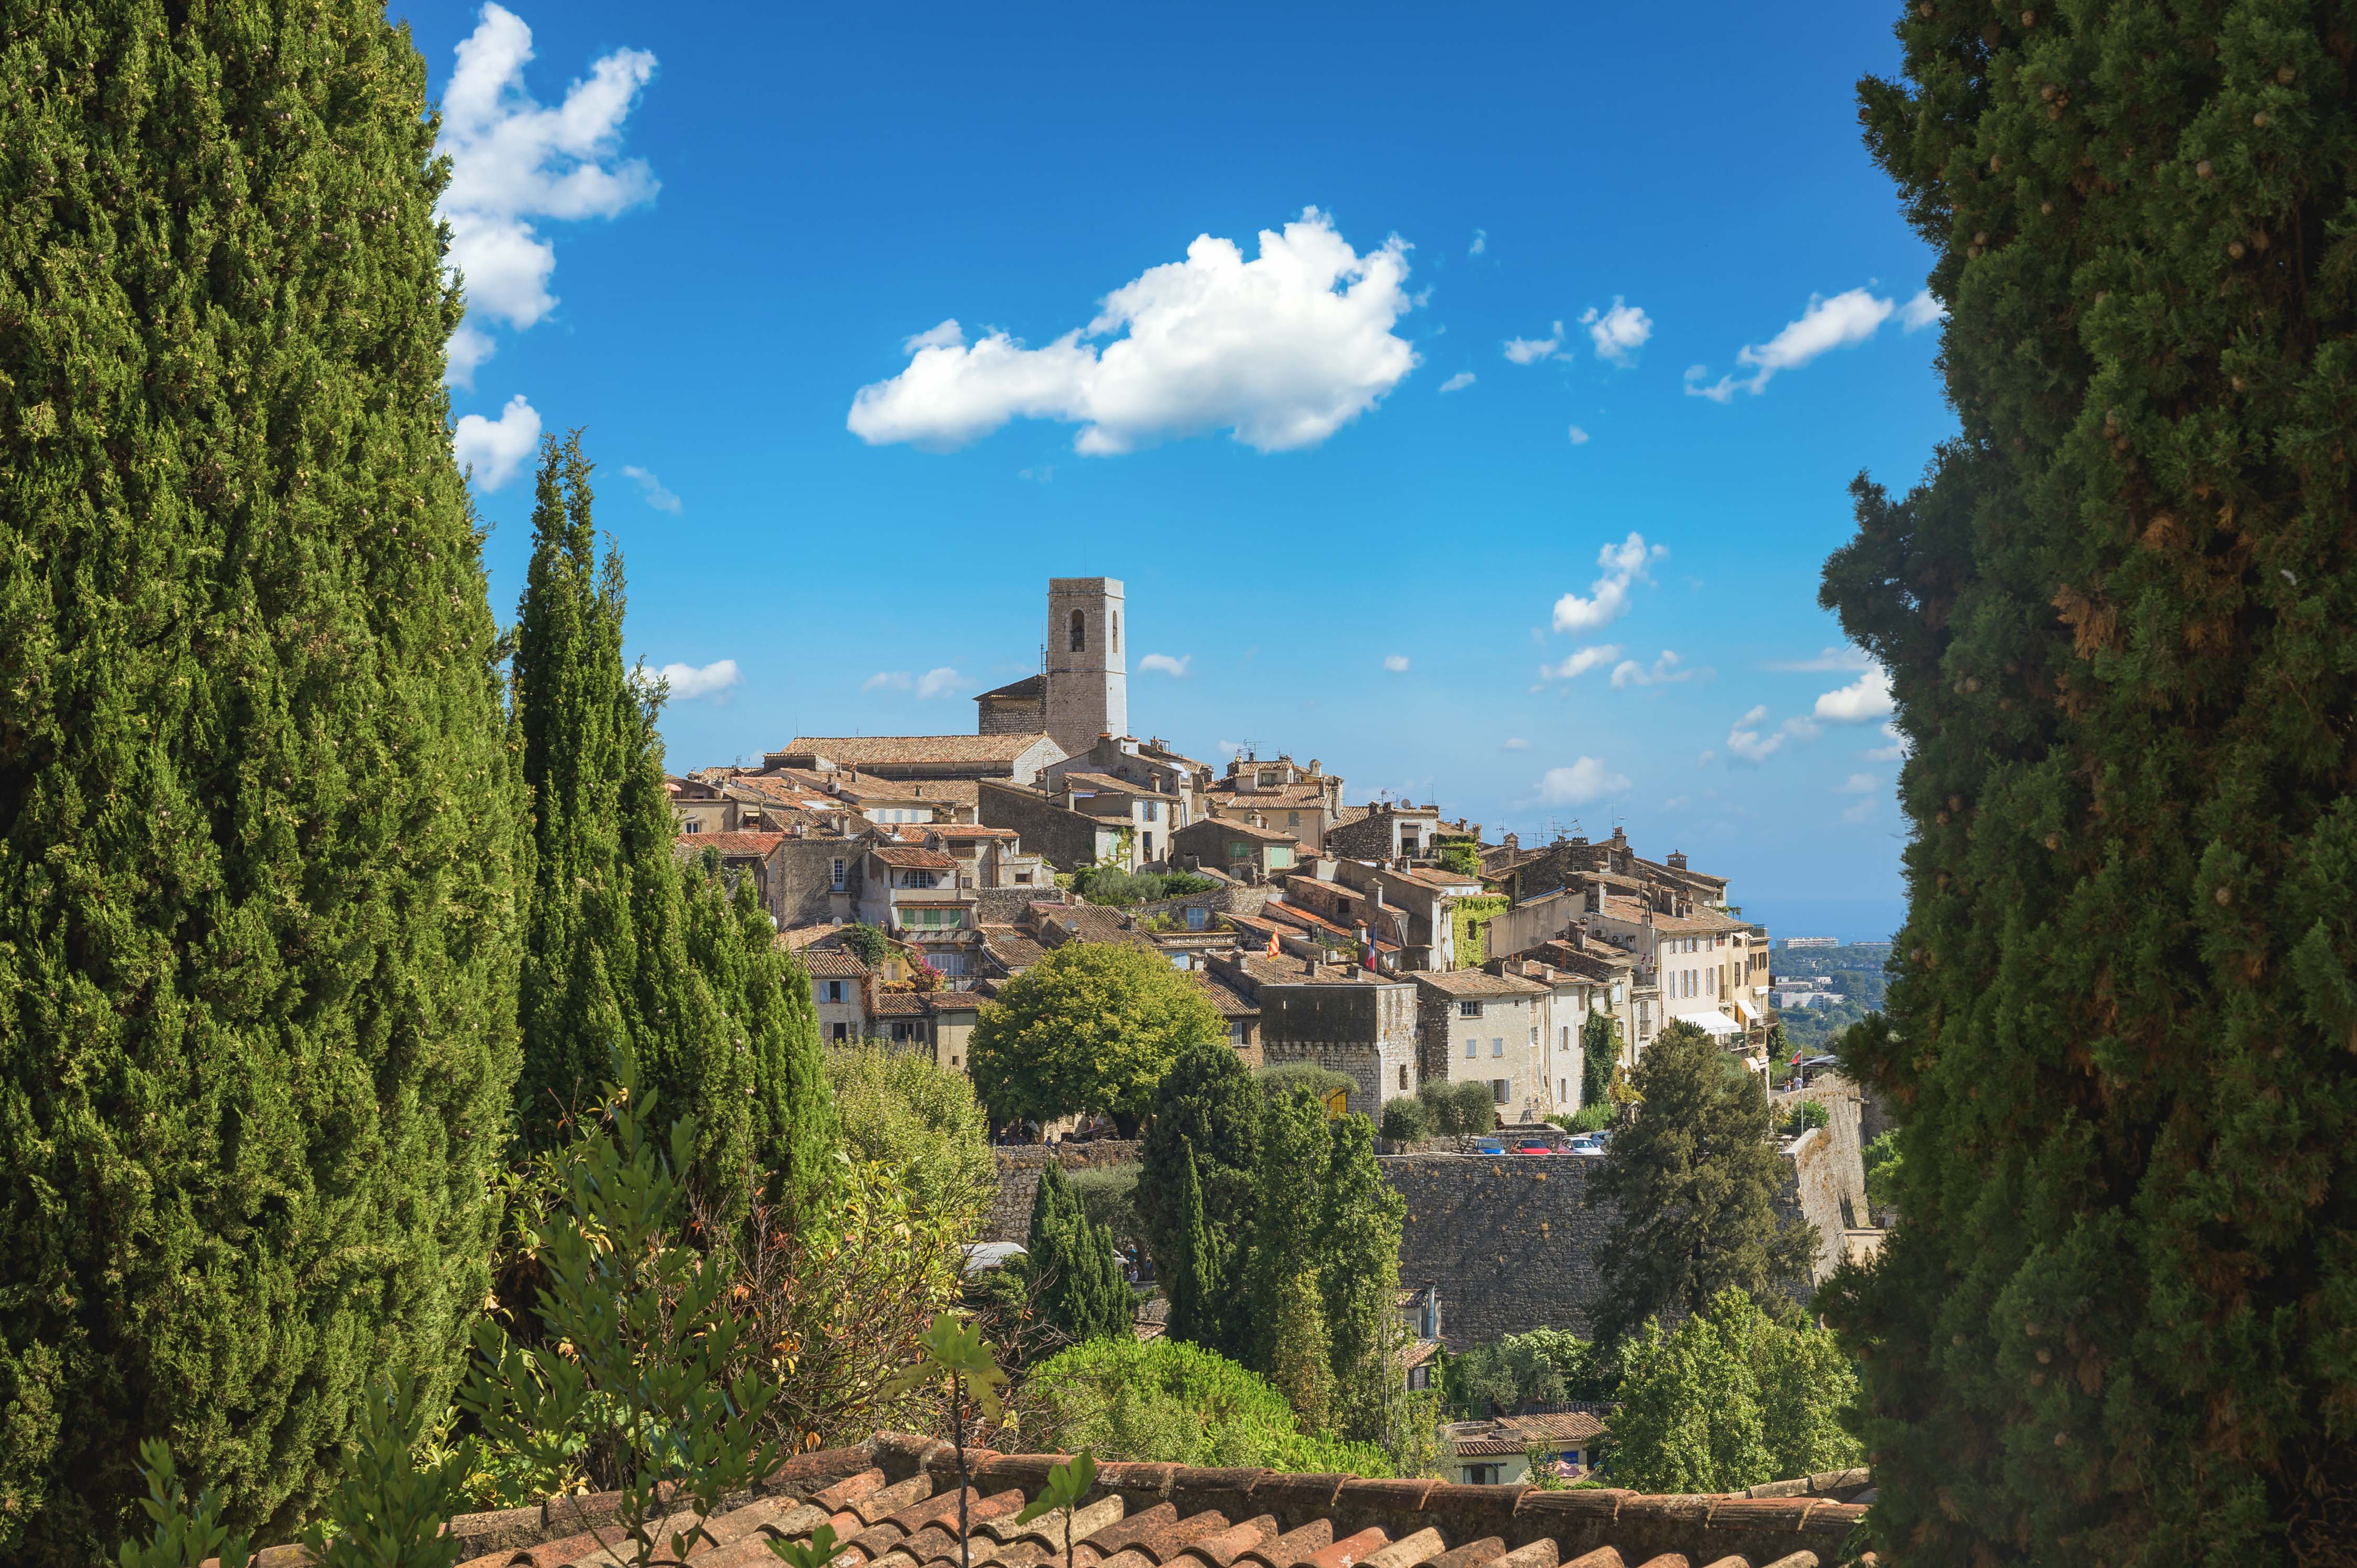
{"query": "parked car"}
pixel 1488 1146
pixel 1589 1144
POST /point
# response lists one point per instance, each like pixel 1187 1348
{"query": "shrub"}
pixel 1406 1120
pixel 1107 1195
pixel 1159 1400
pixel 1279 1078
pixel 1111 886
pixel 1457 1110
pixel 902 1112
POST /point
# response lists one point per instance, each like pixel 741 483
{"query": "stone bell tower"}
pixel 1087 683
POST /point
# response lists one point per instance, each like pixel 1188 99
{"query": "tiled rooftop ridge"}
pixel 892 1500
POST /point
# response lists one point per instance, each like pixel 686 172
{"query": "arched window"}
pixel 1114 647
pixel 1080 632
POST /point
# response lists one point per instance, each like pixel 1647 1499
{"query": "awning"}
pixel 1718 1024
pixel 1743 1012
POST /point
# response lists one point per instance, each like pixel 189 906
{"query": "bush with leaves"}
pixel 1458 1109
pixel 1091 1026
pixel 639 1336
pixel 1405 1120
pixel 1159 1400
pixel 1543 1366
pixel 1278 1078
pixel 907 1113
pixel 1731 1398
pixel 1883 1169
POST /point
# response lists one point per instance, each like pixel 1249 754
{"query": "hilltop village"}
pixel 1379 938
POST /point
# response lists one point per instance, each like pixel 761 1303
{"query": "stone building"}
pixel 1343 1018
pixel 1242 849
pixel 1083 691
pixel 1302 802
pixel 839 985
pixel 1017 758
pixel 1476 1027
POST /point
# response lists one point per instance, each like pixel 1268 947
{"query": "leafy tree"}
pixel 1360 1218
pixel 1108 1195
pixel 258 844
pixel 866 943
pixel 1462 857
pixel 1207 1114
pixel 1091 1026
pixel 2113 617
pixel 1298 1365
pixel 1884 1164
pixel 1541 1367
pixel 1458 1109
pixel 1081 1290
pixel 1692 1179
pixel 1406 1120
pixel 1729 1399
pixel 1599 1052
pixel 1585 1374
pixel 917 1119
pixel 1163 1399
pixel 1291 1345
pixel 1323 1082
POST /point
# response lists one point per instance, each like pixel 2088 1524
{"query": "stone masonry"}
pixel 1018 1178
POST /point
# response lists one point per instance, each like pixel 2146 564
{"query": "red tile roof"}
pixel 899 1004
pixel 894 1502
pixel 867 751
pixel 833 963
pixel 731 846
pixel 916 859
pixel 954 1002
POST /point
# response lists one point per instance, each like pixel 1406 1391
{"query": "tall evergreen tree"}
pixel 1070 1259
pixel 2116 618
pixel 626 947
pixel 1599 1052
pixel 1692 1180
pixel 258 847
pixel 1206 1110
pixel 1187 1280
pixel 1288 1200
pixel 1360 1218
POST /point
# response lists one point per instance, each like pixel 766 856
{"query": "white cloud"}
pixel 1921 312
pixel 1395 662
pixel 657 497
pixel 948 335
pixel 1481 242
pixel 1458 382
pixel 1579 437
pixel 1581 662
pixel 1665 670
pixel 1750 741
pixel 1827 659
pixel 1231 748
pixel 888 681
pixel 1515 743
pixel 1856 784
pixel 1531 351
pixel 939 681
pixel 1584 781
pixel 1860 810
pixel 1164 664
pixel 1607 596
pixel 1867 697
pixel 1283 350
pixel 1617 332
pixel 1706 758
pixel 1895 751
pixel 1850 316
pixel 496 448
pixel 688 681
pixel 1045 474
pixel 514 160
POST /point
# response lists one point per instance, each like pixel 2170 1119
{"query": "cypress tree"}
pixel 1082 1290
pixel 2115 1321
pixel 1692 1181
pixel 258 852
pixel 1599 1053
pixel 1206 1110
pixel 1359 1222
pixel 1295 1150
pixel 1187 1277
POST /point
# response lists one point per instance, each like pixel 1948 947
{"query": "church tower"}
pixel 1088 685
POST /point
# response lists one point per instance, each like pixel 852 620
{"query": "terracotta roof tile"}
pixel 689 846
pixel 1168 1516
pixel 833 963
pixel 899 1004
pixel 915 859
pixel 869 750
pixel 953 1001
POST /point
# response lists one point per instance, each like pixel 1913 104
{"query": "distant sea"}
pixel 1857 919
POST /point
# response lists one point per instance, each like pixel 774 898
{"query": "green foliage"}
pixel 1462 857
pixel 820 1550
pixel 1108 884
pixel 1731 1399
pixel 1107 1195
pixel 1405 1120
pixel 1599 1051
pixel 867 943
pixel 1091 1026
pixel 1458 1109
pixel 182 1538
pixel 1282 1077
pixel 258 825
pixel 640 1335
pixel 1543 1366
pixel 908 1114
pixel 1205 1129
pixel 1884 1166
pixel 1067 1484
pixel 2115 615
pixel 1593 1118
pixel 1692 1179
pixel 386 1510
pixel 1081 1292
pixel 1360 1221
pixel 1176 1404
pixel 1471 917
pixel 1806 1114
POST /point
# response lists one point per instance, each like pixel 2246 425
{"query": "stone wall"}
pixel 1068 838
pixel 1018 1178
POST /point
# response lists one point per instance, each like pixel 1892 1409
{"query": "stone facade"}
pixel 1018 1178
pixel 1020 708
pixel 1069 839
pixel 1088 680
pixel 1366 1030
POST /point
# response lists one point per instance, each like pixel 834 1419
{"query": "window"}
pixel 1472 1047
pixel 1198 918
pixel 1498 1047
pixel 1236 1034
pixel 1147 843
pixel 1566 1036
pixel 694 826
pixel 838 874
pixel 1114 644
pixel 1419 1378
pixel 1403 1077
pixel 1535 1037
pixel 834 990
pixel 1292 819
pixel 1153 811
pixel 1498 1087
pixel 842 1033
pixel 1080 632
pixel 1480 1475
pixel 1562 1091
pixel 1022 878
pixel 1468 1009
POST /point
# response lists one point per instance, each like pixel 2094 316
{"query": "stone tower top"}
pixel 1087 683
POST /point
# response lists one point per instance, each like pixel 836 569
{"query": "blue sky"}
pixel 700 233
